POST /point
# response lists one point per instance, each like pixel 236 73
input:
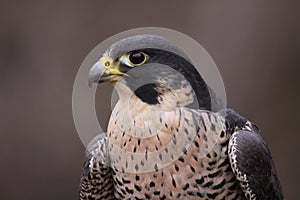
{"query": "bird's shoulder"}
pixel 96 173
pixel 251 160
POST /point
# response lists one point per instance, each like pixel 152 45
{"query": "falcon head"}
pixel 153 69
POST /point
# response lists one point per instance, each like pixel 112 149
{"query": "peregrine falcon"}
pixel 170 136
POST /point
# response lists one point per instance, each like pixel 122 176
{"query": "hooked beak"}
pixel 102 71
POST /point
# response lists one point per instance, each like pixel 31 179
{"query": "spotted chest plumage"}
pixel 186 158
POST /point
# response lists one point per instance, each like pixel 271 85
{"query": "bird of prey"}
pixel 169 136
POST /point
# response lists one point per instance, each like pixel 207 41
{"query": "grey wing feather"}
pixel 252 164
pixel 97 181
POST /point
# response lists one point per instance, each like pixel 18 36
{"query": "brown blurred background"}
pixel 255 44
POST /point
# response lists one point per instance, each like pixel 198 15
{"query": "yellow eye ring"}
pixel 137 58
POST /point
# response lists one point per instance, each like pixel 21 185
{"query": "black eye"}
pixel 137 58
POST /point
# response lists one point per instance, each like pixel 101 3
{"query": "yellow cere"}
pixel 110 65
pixel 106 62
